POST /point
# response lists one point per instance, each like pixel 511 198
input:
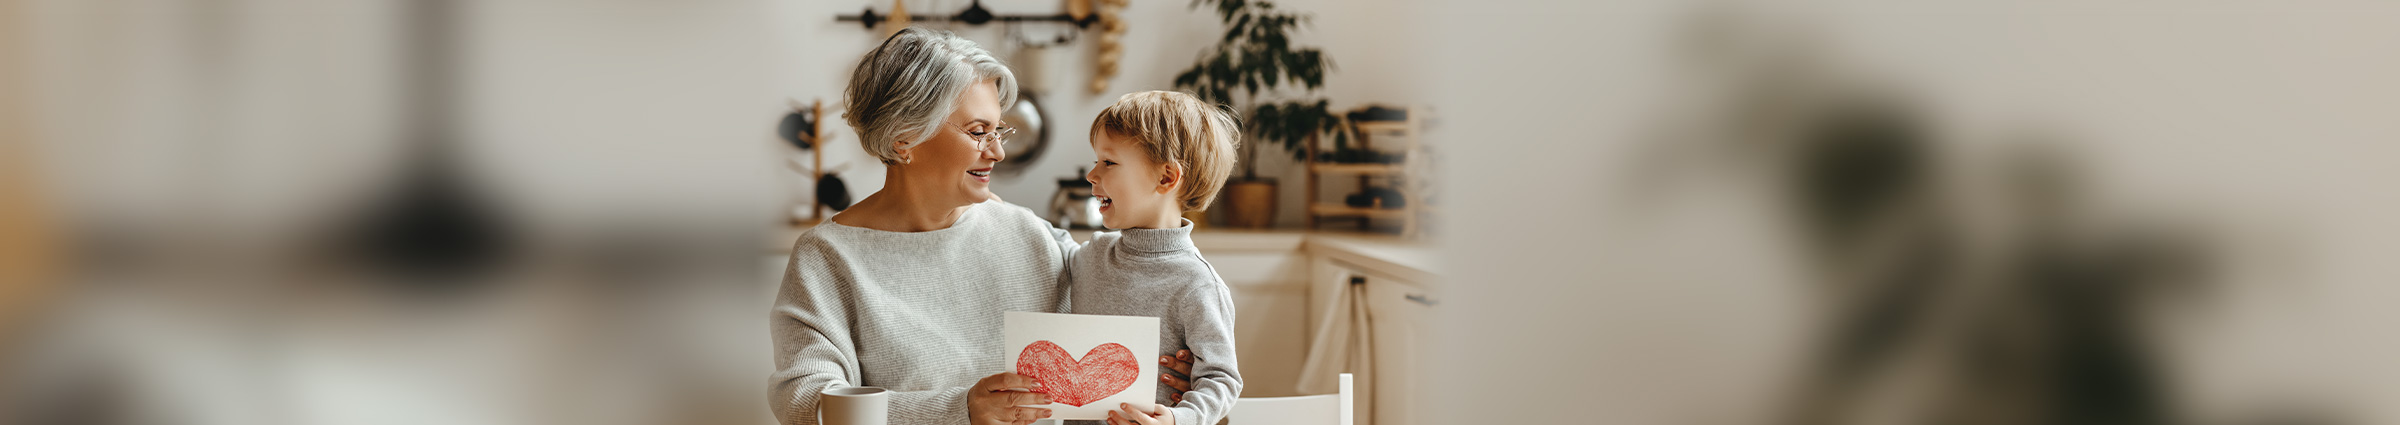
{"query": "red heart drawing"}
pixel 1105 371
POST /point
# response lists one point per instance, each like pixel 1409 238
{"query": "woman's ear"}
pixel 1170 175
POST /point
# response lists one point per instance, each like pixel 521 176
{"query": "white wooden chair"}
pixel 1321 409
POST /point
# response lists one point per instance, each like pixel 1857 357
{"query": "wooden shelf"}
pixel 1326 167
pixel 1345 210
pixel 1383 126
pixel 1402 136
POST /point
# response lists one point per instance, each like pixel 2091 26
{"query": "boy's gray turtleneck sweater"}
pixel 1158 273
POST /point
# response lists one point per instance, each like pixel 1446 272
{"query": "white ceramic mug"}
pixel 854 406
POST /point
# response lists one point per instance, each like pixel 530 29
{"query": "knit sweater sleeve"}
pixel 1066 245
pixel 1206 312
pixel 815 350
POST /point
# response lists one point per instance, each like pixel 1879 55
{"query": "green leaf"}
pixel 1256 57
pixel 1235 31
pixel 1187 78
pixel 1227 8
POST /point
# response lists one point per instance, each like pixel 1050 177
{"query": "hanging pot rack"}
pixel 974 14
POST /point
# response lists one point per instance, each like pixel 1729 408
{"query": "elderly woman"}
pixel 905 290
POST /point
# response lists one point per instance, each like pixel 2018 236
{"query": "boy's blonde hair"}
pixel 1177 128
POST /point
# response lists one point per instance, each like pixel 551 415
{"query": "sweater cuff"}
pixel 1186 415
pixel 943 406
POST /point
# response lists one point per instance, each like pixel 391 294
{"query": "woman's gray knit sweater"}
pixel 916 313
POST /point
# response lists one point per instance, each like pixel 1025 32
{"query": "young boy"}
pixel 1161 154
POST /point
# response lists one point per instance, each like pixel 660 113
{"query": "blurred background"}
pixel 1864 212
pixel 1646 212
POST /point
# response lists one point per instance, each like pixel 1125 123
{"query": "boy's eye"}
pixel 1108 163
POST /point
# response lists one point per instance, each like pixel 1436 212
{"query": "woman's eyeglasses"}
pixel 990 140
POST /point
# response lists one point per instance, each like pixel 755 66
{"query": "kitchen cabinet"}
pixel 1397 279
pixel 1398 310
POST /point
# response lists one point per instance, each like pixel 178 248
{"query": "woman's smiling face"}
pixel 952 164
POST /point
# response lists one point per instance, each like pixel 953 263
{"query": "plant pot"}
pixel 1250 204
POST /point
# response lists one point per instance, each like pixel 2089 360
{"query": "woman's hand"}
pixel 1126 414
pixel 993 401
pixel 1181 365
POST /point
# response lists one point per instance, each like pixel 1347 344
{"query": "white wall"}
pixel 236 144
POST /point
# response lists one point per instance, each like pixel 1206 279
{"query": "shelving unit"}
pixel 816 138
pixel 1407 135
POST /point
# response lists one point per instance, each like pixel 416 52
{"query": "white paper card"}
pixel 1087 363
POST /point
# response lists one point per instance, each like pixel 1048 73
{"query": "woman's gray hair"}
pixel 906 88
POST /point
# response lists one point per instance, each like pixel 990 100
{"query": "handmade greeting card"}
pixel 1087 363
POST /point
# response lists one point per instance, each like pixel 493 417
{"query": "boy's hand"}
pixel 1181 364
pixel 1126 414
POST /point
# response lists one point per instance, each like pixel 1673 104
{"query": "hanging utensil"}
pixel 1032 137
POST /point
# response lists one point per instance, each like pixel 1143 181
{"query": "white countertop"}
pixel 1416 260
pixel 1415 257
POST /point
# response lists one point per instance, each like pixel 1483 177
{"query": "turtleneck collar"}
pixel 1157 240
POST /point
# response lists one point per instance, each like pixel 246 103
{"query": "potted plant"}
pixel 1276 87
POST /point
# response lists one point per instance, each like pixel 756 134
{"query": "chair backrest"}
pixel 1322 409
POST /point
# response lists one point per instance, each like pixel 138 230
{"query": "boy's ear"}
pixel 1170 176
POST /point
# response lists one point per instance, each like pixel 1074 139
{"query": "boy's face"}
pixel 1134 192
